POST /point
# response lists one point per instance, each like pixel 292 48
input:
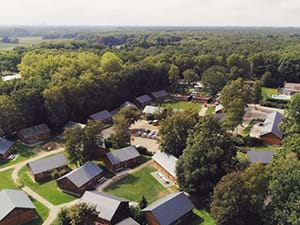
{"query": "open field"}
pixel 183 105
pixel 48 190
pixel 26 42
pixel 135 185
pixel 6 181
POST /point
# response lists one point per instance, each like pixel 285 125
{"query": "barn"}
pixel 34 134
pixel 81 179
pixel 270 132
pixel 16 208
pixel 6 148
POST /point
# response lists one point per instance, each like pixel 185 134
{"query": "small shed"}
pixel 16 208
pixel 122 158
pixel 103 116
pixel 6 148
pixel 81 179
pixel 34 134
pixel 270 132
pixel 263 157
pixel 166 163
pixel 160 95
pixel 219 109
pixel 42 169
pixel 169 210
pixel 111 209
pixel 144 100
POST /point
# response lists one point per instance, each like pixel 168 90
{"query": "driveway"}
pixel 148 143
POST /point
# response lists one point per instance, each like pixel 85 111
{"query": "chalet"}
pixel 112 210
pixel 143 100
pixel 290 88
pixel 125 105
pixel 128 221
pixel 34 134
pixel 81 179
pixel 160 95
pixel 169 210
pixel 219 109
pixel 43 169
pixel 16 208
pixel 270 133
pixel 122 158
pixel 166 164
pixel 103 116
pixel 6 148
pixel 263 157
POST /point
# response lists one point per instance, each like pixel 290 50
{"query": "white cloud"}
pixel 151 12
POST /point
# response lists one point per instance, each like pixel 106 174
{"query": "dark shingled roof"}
pixel 160 94
pixel 83 174
pixel 5 145
pixel 49 163
pixel 35 131
pixel 12 199
pixel 122 155
pixel 102 116
pixel 260 156
pixel 170 208
pixel 271 125
pixel 128 221
pixel 106 205
pixel 144 99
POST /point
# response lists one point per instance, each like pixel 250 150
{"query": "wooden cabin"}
pixel 34 134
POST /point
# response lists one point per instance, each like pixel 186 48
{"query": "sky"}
pixel 151 12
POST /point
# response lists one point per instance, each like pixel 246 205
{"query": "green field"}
pixel 210 110
pixel 183 105
pixel 48 190
pixel 135 185
pixel 23 152
pixel 6 182
pixel 202 218
pixel 26 42
pixel 42 211
pixel 268 92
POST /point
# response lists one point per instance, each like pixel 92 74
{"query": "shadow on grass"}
pixel 128 179
pixel 37 221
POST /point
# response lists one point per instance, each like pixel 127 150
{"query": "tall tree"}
pixel 9 116
pixel 190 76
pixel 83 214
pixel 291 123
pixel 110 62
pixel 214 79
pixel 121 134
pixel 173 75
pixel 257 96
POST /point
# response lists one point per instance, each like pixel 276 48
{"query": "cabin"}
pixel 270 133
pixel 150 110
pixel 81 179
pixel 290 88
pixel 34 134
pixel 125 105
pixel 169 210
pixel 128 221
pixel 112 210
pixel 123 158
pixel 201 99
pixel 183 97
pixel 16 208
pixel 219 109
pixel 6 148
pixel 103 116
pixel 263 157
pixel 44 169
pixel 143 100
pixel 160 95
pixel 166 164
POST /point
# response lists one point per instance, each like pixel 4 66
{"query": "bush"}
pixel 144 151
pixel 238 140
pixel 280 104
pixel 109 142
pixel 252 142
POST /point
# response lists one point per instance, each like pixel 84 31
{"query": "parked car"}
pixel 155 122
pixel 151 133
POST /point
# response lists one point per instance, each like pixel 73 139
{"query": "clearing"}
pixel 183 105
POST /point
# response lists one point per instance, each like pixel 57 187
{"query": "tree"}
pixel 290 144
pixel 209 155
pixel 234 115
pixel 143 203
pixel 111 62
pixel 257 96
pixel 121 134
pixel 190 76
pixel 83 214
pixel 291 123
pixel 174 131
pixel 9 116
pixel 173 75
pixel 130 114
pixel 63 217
pixel 214 79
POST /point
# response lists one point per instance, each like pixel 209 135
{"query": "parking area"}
pixel 150 144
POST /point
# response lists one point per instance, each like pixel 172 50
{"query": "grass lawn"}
pixel 48 190
pixel 6 181
pixel 210 110
pixel 43 212
pixel 137 184
pixel 268 92
pixel 23 152
pixel 182 105
pixel 202 218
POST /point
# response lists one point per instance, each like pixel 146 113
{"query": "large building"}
pixel 16 208
pixel 81 179
pixel 112 210
pixel 166 164
pixel 34 134
pixel 6 148
pixel 169 210
pixel 270 132
pixel 42 169
pixel 123 158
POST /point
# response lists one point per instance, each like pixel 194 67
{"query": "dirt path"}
pixel 203 111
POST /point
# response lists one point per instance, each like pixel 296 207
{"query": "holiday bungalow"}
pixel 166 164
pixel 160 95
pixel 263 157
pixel 81 179
pixel 103 116
pixel 290 88
pixel 43 169
pixel 6 148
pixel 143 100
pixel 125 105
pixel 16 208
pixel 112 210
pixel 270 133
pixel 169 210
pixel 123 158
pixel 34 134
